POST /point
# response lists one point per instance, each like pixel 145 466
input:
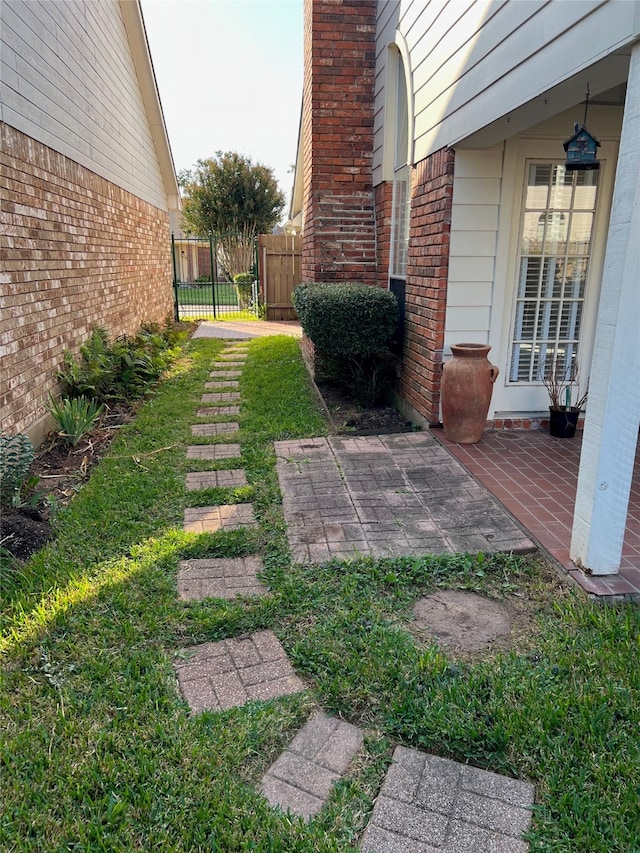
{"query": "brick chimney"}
pixel 337 124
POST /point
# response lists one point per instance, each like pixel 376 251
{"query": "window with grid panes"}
pixel 401 199
pixel 555 248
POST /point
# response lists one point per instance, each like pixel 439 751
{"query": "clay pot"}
pixel 467 385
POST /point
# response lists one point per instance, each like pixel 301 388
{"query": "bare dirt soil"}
pixel 59 472
pixel 351 417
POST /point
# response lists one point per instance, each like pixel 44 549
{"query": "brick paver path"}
pixel 210 430
pixel 219 578
pixel 230 673
pixel 433 805
pixel 301 779
pixel 222 397
pixel 229 479
pixel 213 452
pixel 387 496
pixel 208 519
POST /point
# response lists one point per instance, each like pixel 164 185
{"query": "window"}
pixel 555 248
pixel 401 197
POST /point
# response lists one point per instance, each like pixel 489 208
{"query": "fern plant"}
pixel 74 417
pixel 16 456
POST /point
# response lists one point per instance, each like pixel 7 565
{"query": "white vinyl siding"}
pixel 475 62
pixel 69 81
pixel 474 227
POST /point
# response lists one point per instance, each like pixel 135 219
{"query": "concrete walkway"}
pixel 244 330
pixel 386 496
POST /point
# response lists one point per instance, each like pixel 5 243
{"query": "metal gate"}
pixel 203 285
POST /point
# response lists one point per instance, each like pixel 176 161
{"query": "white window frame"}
pixel 545 304
pixel 532 398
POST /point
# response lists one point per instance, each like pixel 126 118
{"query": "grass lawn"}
pixel 99 752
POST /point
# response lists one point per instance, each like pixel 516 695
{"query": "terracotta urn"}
pixel 467 385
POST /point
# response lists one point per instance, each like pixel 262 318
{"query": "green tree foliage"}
pixel 228 193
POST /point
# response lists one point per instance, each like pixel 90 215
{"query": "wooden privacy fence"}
pixel 279 263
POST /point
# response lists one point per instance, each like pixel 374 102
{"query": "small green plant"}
pixel 244 288
pixel 122 370
pixel 74 417
pixel 16 456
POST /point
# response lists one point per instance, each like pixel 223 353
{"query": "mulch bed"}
pixel 60 471
pixel 352 418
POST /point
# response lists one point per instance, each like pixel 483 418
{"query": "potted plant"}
pixel 562 382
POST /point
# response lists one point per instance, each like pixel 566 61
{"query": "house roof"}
pixel 139 44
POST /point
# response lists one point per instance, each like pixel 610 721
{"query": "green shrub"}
pixel 16 456
pixel 351 326
pixel 244 288
pixel 74 417
pixel 122 370
pixel 346 319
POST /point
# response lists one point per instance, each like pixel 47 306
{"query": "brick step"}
pixel 222 397
pixel 209 519
pixel 230 673
pixel 227 479
pixel 219 578
pixel 217 411
pixel 212 430
pixel 213 452
pixel 225 374
pixel 429 804
pixel 302 778
pixel 219 383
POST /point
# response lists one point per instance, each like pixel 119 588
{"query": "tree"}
pixel 229 193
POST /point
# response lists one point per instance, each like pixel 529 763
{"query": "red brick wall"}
pixel 77 251
pixel 383 195
pixel 337 125
pixel 426 289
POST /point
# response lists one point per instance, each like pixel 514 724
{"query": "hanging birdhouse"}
pixel 581 150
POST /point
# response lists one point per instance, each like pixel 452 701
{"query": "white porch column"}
pixel 613 415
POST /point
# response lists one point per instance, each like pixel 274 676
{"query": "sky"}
pixel 229 74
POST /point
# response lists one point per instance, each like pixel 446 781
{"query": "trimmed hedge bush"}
pixel 351 326
pixel 345 320
pixel 244 288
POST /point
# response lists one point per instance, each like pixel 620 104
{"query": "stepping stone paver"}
pixel 388 495
pixel 213 452
pixel 232 383
pixel 222 397
pixel 232 355
pixel 225 374
pixel 227 479
pixel 429 804
pixel 218 410
pixel 301 779
pixel 210 430
pixel 230 673
pixel 209 519
pixel 219 578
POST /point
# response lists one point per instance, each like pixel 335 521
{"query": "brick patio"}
pixel 535 477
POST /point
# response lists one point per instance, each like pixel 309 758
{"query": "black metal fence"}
pixel 203 285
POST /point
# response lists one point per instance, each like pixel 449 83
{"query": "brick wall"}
pixel 77 251
pixel 337 124
pixel 383 197
pixel 426 288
